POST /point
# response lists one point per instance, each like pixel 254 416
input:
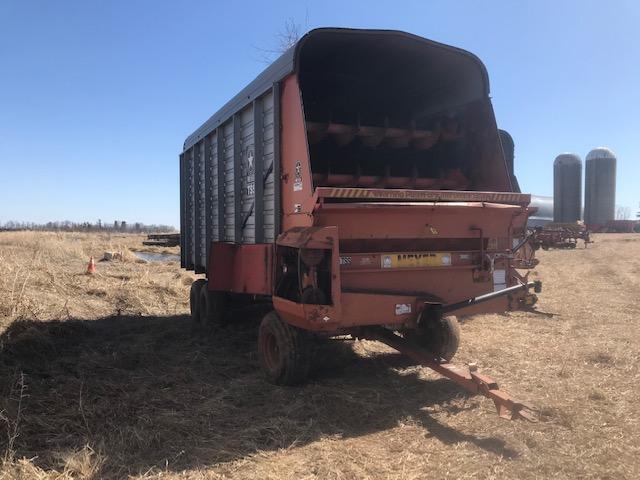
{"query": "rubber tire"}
pixel 284 351
pixel 211 307
pixel 194 299
pixel 442 339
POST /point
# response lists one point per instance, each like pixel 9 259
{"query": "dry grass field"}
pixel 104 376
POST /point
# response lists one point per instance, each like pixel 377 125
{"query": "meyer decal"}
pixel 413 260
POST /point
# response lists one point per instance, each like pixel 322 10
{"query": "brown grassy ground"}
pixel 103 377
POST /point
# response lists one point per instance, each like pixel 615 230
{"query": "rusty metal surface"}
pixel 241 268
pixel 421 238
pixel 307 237
pixel 435 248
pixel 511 198
pixel 454 307
pixel 465 376
pixel 296 185
pixel 397 220
pixel 560 235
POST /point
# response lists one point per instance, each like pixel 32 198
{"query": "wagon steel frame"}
pixel 337 217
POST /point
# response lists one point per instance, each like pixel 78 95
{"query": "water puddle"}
pixel 157 257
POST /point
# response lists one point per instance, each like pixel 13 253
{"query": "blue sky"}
pixel 97 97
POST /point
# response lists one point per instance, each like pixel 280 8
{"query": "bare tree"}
pixel 622 213
pixel 286 38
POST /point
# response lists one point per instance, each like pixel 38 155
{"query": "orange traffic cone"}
pixel 91 268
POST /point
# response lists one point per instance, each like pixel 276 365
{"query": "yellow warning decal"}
pixel 413 260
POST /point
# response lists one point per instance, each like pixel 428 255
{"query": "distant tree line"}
pixel 622 213
pixel 99 226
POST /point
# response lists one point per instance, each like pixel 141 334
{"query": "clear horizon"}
pixel 98 98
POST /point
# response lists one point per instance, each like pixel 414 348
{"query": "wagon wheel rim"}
pixel 271 351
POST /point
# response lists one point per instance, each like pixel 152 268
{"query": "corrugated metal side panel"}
pixel 208 214
pixel 228 182
pixel 189 199
pixel 258 173
pixel 237 180
pixel 247 180
pixel 209 209
pixel 212 192
pixel 275 72
pixel 277 191
pixel 268 155
pixel 220 182
pixel 183 217
pixel 199 253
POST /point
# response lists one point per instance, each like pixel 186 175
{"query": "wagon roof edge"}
pixel 288 63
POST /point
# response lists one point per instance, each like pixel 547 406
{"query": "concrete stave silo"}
pixel 600 187
pixel 567 188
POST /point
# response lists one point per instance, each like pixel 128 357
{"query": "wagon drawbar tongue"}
pixel 466 376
